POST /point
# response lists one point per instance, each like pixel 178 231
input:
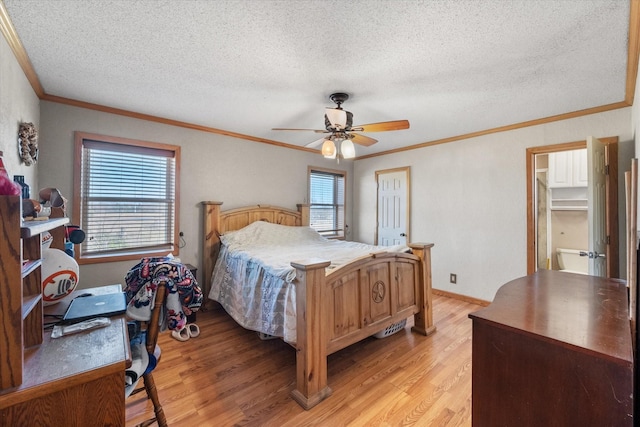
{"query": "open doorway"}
pixel 566 205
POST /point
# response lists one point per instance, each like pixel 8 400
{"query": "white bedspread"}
pixel 253 276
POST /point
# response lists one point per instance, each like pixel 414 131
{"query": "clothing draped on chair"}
pixel 161 293
pixel 184 294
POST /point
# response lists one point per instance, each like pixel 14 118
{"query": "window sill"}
pixel 98 259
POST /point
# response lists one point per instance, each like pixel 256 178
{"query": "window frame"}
pixel 79 143
pixel 340 234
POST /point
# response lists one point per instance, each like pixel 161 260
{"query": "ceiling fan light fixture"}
pixel 337 117
pixel 347 149
pixel 329 149
pixel 338 123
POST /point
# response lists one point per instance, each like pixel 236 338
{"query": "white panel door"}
pixel 596 203
pixel 393 193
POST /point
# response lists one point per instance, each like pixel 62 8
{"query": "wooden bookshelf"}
pixel 21 315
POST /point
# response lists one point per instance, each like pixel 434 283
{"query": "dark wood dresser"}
pixel 553 349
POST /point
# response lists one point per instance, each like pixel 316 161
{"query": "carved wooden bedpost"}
pixel 424 318
pixel 311 333
pixel 304 214
pixel 210 242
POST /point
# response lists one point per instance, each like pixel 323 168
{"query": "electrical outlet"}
pixel 453 278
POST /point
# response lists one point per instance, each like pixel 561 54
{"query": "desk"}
pixel 75 380
pixel 553 349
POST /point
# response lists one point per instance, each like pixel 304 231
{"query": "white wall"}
pixel 18 104
pixel 469 198
pixel 214 167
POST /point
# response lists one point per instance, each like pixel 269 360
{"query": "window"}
pixel 326 202
pixel 125 198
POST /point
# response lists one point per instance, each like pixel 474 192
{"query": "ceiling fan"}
pixel 339 124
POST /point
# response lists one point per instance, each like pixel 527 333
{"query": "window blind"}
pixel 327 203
pixel 127 199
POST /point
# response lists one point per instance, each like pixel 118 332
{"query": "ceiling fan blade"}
pixel 383 126
pixel 337 117
pixel 315 144
pixel 362 140
pixel 310 130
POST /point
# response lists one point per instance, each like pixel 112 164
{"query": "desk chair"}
pixel 151 340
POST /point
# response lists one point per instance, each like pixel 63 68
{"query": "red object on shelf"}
pixel 7 186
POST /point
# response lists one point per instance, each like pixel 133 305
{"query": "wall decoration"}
pixel 28 140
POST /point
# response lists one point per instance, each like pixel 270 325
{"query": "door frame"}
pixel 611 196
pixel 407 171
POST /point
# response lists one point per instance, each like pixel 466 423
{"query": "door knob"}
pixel 403 235
pixel 592 255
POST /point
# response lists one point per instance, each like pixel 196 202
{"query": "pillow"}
pixel 266 233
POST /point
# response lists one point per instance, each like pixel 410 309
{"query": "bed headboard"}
pixel 217 222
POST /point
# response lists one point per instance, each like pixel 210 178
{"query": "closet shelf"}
pixel 572 204
pixel 569 208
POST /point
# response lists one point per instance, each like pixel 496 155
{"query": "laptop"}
pixel 92 306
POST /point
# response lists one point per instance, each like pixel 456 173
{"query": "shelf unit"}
pixel 569 204
pixel 569 198
pixel 21 316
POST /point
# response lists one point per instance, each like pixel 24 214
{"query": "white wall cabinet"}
pixel 568 179
pixel 580 168
pixel 568 169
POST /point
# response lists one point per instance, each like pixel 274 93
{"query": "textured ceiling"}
pixel 450 67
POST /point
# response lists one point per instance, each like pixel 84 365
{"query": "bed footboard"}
pixel 351 303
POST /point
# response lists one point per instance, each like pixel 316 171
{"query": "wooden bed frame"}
pixel 334 310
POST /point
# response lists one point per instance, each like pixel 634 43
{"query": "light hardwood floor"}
pixel 229 377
